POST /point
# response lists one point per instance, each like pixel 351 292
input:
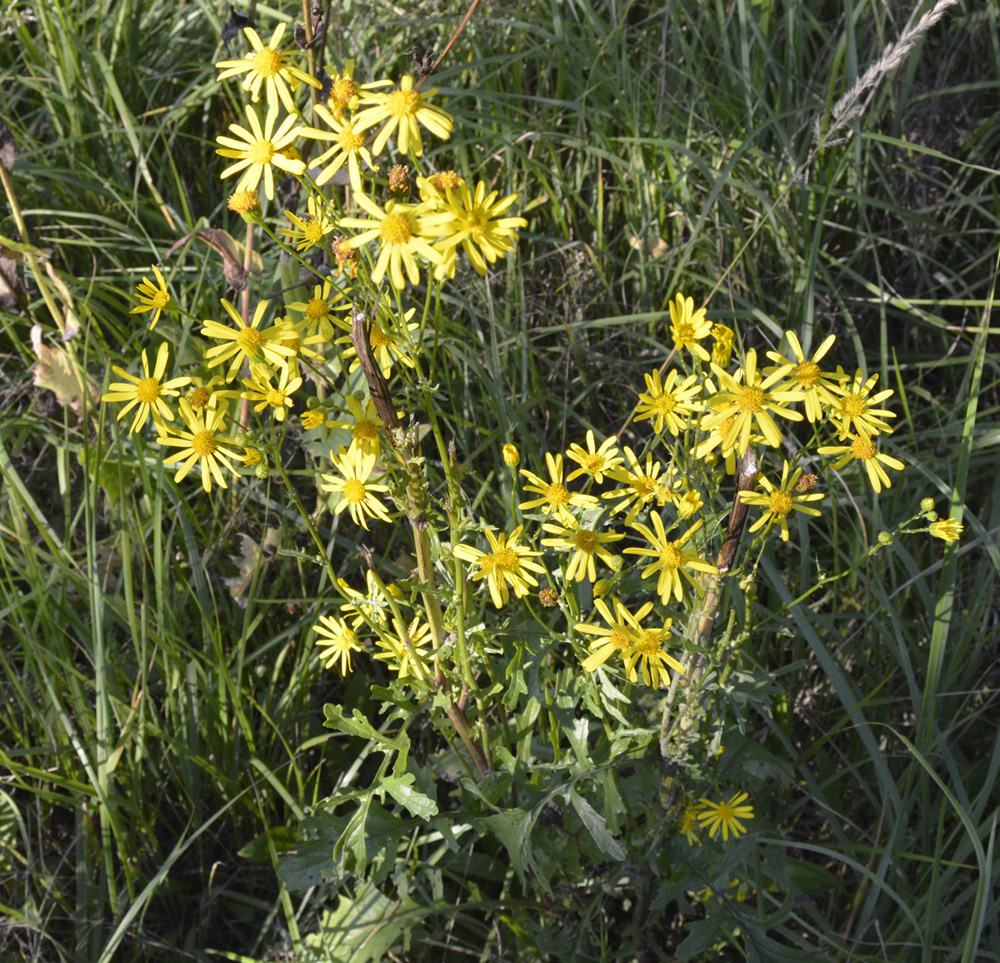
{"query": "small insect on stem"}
pixel 746 479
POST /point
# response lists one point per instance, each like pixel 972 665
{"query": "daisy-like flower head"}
pixel 357 494
pixel 688 327
pixel 208 394
pixel 336 642
pixel 671 558
pixel 855 410
pixel 366 426
pixel 203 443
pixel 749 403
pixel 595 462
pixel 555 496
pixel 268 67
pixel 508 564
pixel 267 395
pixel 584 543
pixel 407 648
pixel 146 394
pixel 317 310
pixel 399 229
pixel 806 375
pixel 780 501
pixel 947 529
pixel 308 232
pixel 153 297
pixel 615 636
pixel 246 342
pixel 647 650
pixel 298 339
pixel 641 484
pixel 725 816
pixel 387 348
pixel 259 149
pixel 862 448
pixel 474 222
pixel 667 402
pixel 404 109
pixel 344 93
pixel 348 146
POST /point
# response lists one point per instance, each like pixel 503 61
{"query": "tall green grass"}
pixel 161 739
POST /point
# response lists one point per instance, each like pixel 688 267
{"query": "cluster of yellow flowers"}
pixel 261 363
pixel 700 415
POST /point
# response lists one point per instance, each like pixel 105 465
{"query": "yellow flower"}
pixel 855 410
pixel 671 559
pixel 748 404
pixel 336 642
pixel 594 462
pixel 153 297
pixel 722 350
pixel 262 391
pixel 358 494
pixel 366 425
pixel 406 651
pixel 147 392
pixel 399 229
pixel 725 816
pixel 246 342
pixel 269 67
pixel 780 501
pixel 806 375
pixel 297 338
pixel 641 484
pixel 317 309
pixel 315 418
pixel 203 443
pixel 688 327
pixel 474 223
pixel 947 529
pixel 634 643
pixel 688 504
pixel 348 146
pixel 206 394
pixel 511 456
pixel 405 109
pixel 584 543
pixel 689 824
pixel 386 346
pixel 616 636
pixel 556 497
pixel 365 608
pixel 311 231
pixel 669 403
pixel 244 202
pixel 862 448
pixel 259 150
pixel 507 564
pixel 344 92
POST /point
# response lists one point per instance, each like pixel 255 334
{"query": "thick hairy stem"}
pixel 425 571
pixel 746 478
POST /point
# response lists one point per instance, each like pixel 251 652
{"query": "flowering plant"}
pixel 552 679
